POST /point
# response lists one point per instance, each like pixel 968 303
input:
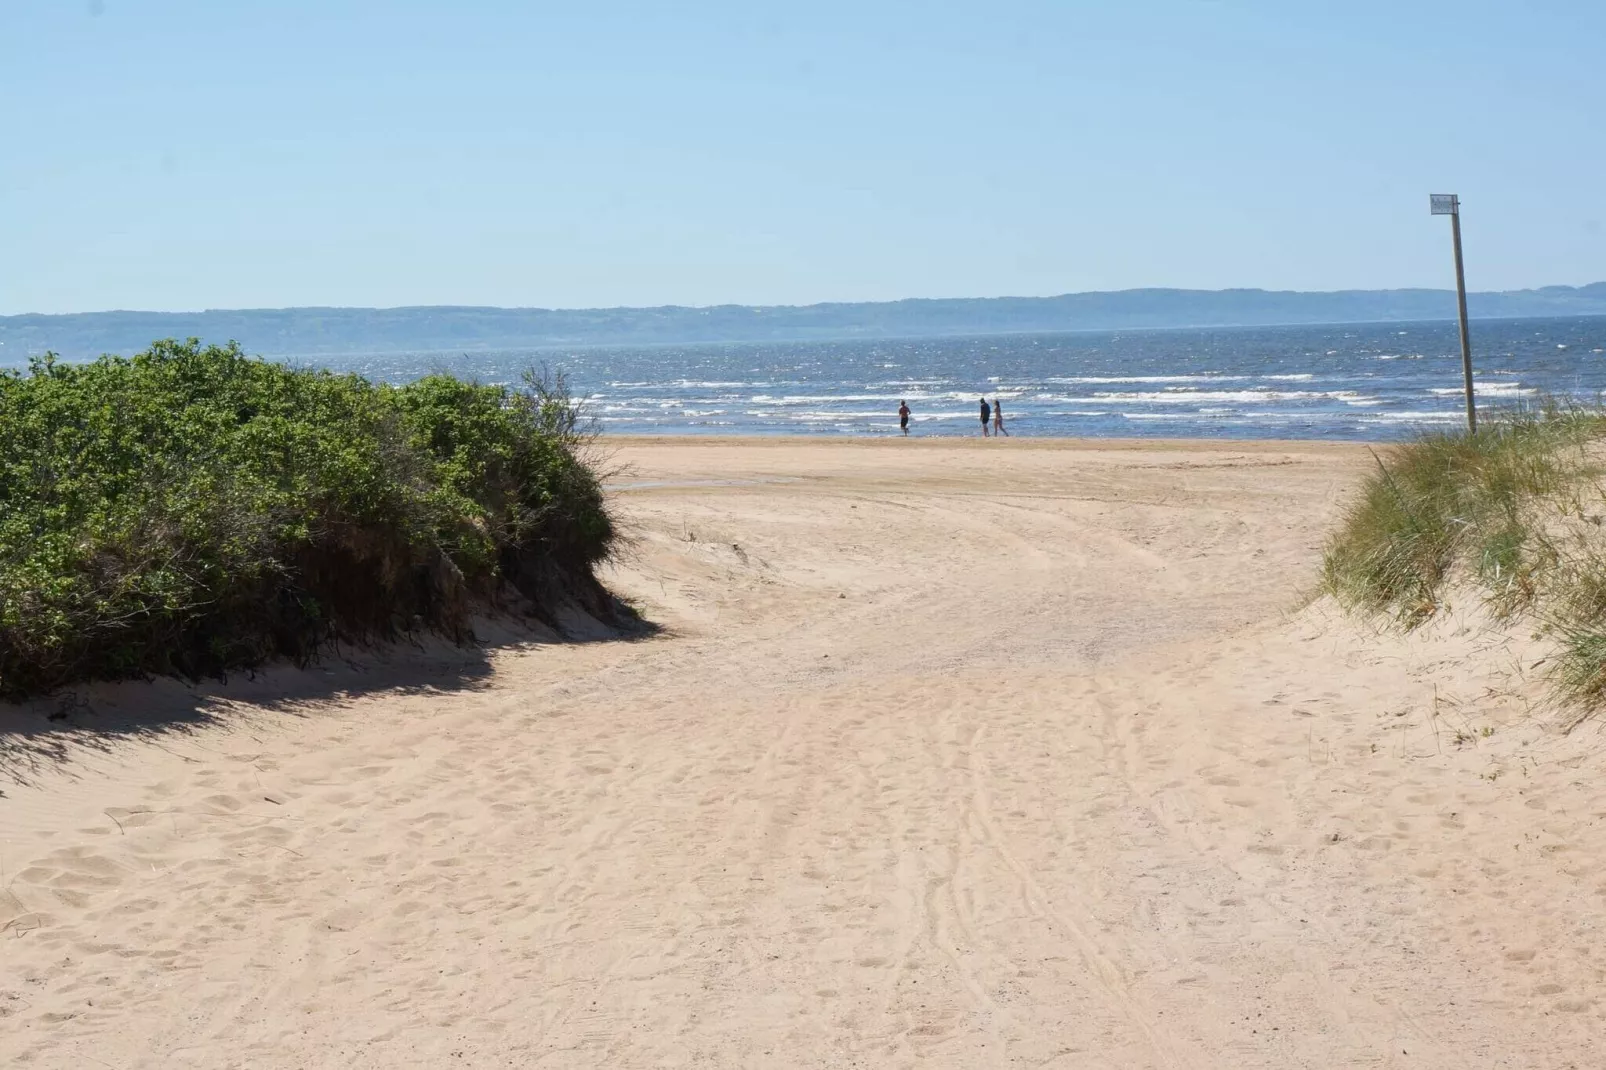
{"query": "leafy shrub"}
pixel 191 510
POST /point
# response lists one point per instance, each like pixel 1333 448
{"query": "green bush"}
pixel 191 510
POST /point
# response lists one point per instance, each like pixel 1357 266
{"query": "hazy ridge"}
pixel 368 330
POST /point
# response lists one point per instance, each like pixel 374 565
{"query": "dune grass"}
pixel 192 510
pixel 1514 512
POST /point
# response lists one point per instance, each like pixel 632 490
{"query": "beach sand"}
pixel 949 754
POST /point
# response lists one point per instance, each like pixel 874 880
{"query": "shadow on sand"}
pixel 47 734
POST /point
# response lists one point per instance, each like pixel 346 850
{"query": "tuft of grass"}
pixel 191 510
pixel 1580 673
pixel 1514 510
pixel 1449 498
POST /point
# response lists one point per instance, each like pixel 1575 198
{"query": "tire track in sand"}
pixel 1103 969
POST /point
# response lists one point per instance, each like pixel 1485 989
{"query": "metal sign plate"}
pixel 1445 203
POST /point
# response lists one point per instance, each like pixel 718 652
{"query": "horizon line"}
pixel 806 305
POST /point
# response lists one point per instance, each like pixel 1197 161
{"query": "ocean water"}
pixel 1351 381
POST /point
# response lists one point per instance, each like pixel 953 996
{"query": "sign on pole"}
pixel 1444 203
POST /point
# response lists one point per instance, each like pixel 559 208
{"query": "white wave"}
pixel 1079 380
pixel 1261 416
pixel 885 399
pixel 826 399
pixel 859 417
pixel 1242 397
pixel 1493 390
pixel 818 416
pixel 1409 416
pixel 687 384
pixel 1302 377
pixel 1233 416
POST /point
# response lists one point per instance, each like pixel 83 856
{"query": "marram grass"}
pixel 1515 511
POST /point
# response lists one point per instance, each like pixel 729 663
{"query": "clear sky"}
pixel 187 154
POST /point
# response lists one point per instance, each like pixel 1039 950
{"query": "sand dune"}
pixel 950 754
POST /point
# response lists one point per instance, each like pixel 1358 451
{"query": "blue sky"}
pixel 180 154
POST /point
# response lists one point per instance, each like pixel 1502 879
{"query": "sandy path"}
pixel 953 755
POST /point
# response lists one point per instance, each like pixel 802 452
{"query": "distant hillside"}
pixel 312 331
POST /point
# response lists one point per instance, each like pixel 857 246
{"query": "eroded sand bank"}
pixel 951 754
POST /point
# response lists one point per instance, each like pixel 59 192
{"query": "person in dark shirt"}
pixel 986 418
pixel 903 416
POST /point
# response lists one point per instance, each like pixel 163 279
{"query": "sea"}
pixel 1360 382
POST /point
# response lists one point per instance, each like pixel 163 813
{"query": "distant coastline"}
pixel 320 331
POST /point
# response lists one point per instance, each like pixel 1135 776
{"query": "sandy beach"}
pixel 948 754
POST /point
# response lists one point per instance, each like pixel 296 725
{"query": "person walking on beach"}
pixel 986 417
pixel 998 418
pixel 903 417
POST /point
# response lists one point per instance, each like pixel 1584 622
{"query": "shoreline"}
pixel 1082 444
